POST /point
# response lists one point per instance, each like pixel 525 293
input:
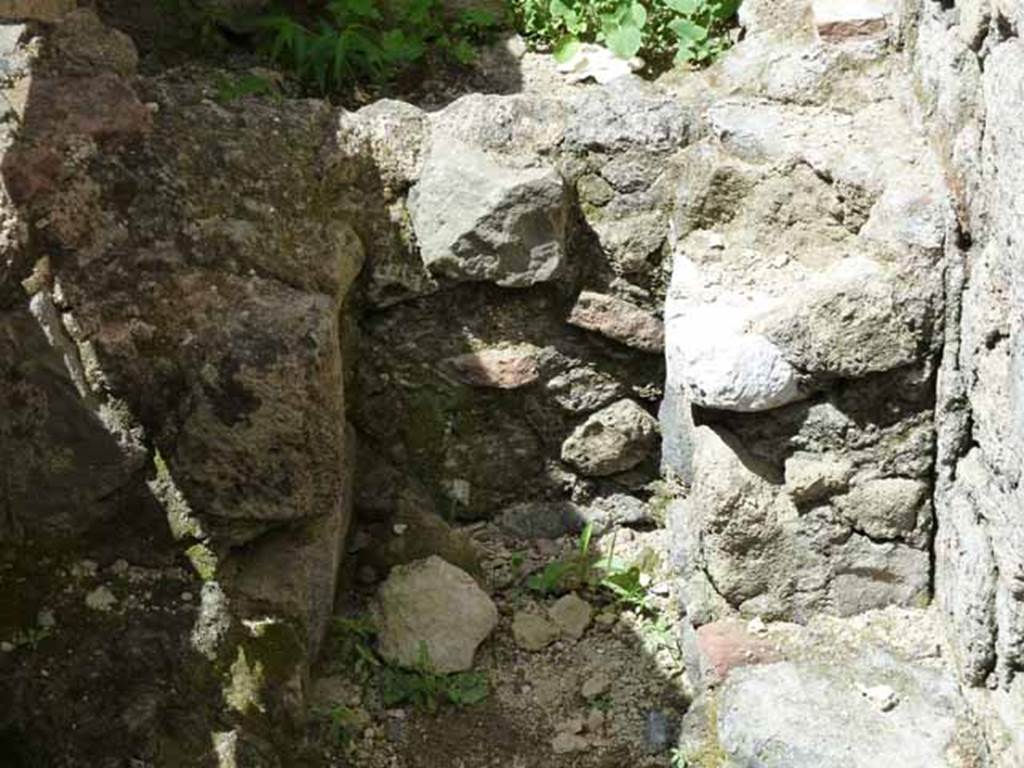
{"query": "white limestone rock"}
pixel 711 355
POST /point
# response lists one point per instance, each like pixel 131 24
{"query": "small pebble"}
pixel 572 725
pixel 565 743
pixel 596 685
pixel 882 696
pixel 657 731
pixel 394 729
pixel 100 599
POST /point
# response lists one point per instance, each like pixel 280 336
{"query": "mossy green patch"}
pixel 204 560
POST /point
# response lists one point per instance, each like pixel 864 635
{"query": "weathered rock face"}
pixel 36 10
pixel 477 220
pixel 815 714
pixel 513 289
pixel 803 327
pixel 172 390
pixel 967 63
pixel 833 692
pixel 614 439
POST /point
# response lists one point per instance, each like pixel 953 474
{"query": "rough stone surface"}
pixel 541 520
pixel 504 368
pixel 476 219
pixel 723 646
pixel 803 324
pixel 174 353
pixel 618 319
pixel 571 614
pixel 83 45
pixel 432 603
pixel 744 542
pixel 966 71
pixel 438 340
pixel 815 694
pixel 803 715
pixel 845 19
pixel 613 440
pixel 533 631
pixel 38 10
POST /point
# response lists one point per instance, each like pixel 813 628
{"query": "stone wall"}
pixel 968 68
pixel 172 408
pixel 803 324
pixel 510 340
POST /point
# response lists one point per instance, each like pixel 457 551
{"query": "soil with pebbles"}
pixel 536 713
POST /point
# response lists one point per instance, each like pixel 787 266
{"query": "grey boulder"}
pixel 612 440
pixel 432 611
pixel 480 219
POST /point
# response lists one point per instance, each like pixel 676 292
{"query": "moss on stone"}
pixel 179 515
pixel 245 684
pixel 203 560
pixel 711 754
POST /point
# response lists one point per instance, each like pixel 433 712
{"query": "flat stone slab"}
pixel 809 715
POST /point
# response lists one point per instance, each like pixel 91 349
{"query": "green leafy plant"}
pixel 626 585
pixel 586 569
pixel 350 647
pixel 426 689
pixel 31 637
pixel 350 651
pixel 364 40
pixel 570 573
pixel 340 722
pixel 197 25
pixel 662 31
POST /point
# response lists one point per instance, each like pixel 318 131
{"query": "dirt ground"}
pixel 536 713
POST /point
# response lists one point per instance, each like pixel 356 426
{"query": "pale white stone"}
pixel 595 62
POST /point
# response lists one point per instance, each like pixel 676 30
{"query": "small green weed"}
pixel 662 31
pixel 516 560
pixel 350 650
pixel 572 573
pixel 350 641
pixel 31 637
pixel 424 688
pixel 340 722
pixel 627 587
pixel 585 569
